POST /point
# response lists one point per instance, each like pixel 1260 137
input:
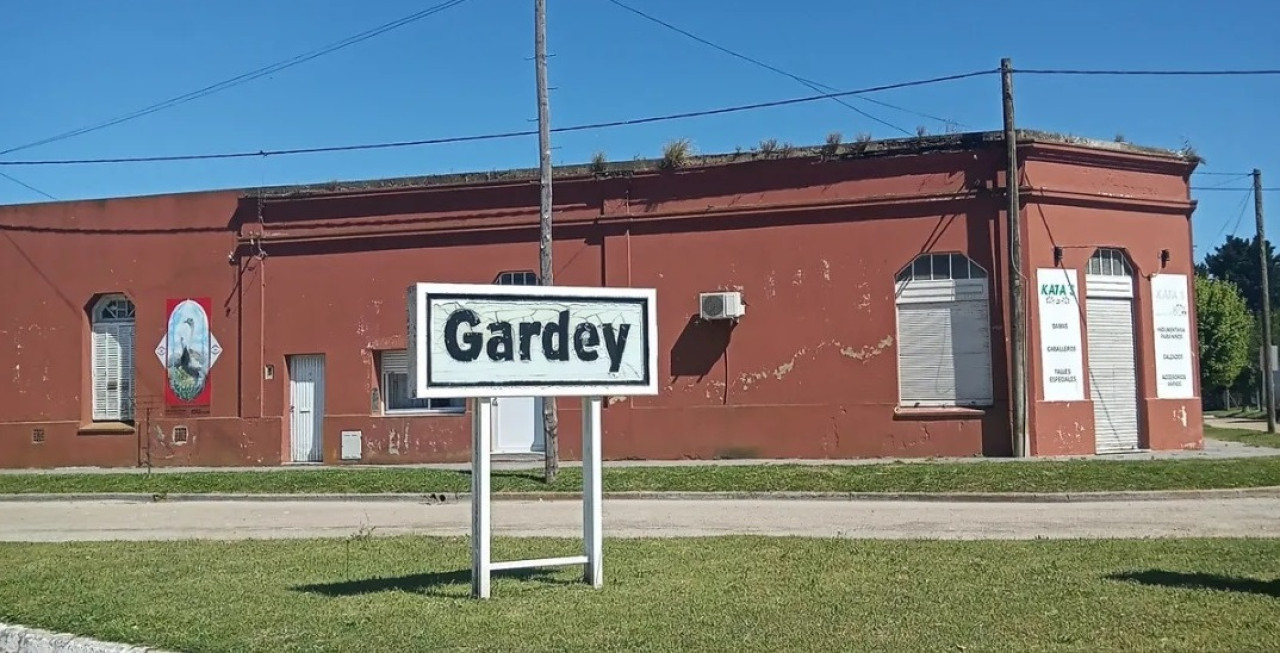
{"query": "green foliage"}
pixel 1226 332
pixel 1236 260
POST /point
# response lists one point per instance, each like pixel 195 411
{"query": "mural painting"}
pixel 188 352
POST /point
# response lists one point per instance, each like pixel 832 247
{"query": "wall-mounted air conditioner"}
pixel 726 305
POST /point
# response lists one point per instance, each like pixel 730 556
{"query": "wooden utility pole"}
pixel 550 419
pixel 1268 379
pixel 1017 317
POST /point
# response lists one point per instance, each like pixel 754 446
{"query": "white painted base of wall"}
pixel 20 639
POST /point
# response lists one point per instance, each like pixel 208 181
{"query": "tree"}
pixel 1227 332
pixel 1236 261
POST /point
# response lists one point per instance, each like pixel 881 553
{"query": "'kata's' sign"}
pixel 494 341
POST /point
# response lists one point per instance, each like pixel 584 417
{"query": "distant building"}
pixel 268 326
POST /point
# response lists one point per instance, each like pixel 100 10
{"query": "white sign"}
pixel 1171 318
pixel 511 341
pixel 1061 358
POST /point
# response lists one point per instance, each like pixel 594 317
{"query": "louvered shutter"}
pixel 102 410
pixel 944 345
pixel 125 340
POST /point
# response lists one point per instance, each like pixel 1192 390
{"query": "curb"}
pixel 20 639
pixel 462 497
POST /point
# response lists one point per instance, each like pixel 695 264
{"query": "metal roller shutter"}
pixel 944 346
pixel 1112 378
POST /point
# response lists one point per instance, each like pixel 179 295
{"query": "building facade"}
pixel 268 326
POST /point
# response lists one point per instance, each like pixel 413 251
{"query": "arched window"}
pixel 1108 262
pixel 112 359
pixel 944 333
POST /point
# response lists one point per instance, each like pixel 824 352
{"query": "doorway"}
pixel 306 408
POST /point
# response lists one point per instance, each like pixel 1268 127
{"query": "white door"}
pixel 306 408
pixel 517 422
pixel 1113 383
pixel 517 426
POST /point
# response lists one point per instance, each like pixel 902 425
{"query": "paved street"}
pixel 106 520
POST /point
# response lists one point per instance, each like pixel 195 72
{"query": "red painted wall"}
pixel 809 372
pixel 1080 201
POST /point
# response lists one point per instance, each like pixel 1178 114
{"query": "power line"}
pixel 511 134
pixel 245 77
pixel 1223 174
pixel 1175 73
pixel 26 185
pixel 1269 190
pixel 816 86
pixel 1244 203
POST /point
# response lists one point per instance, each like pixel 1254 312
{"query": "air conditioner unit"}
pixel 721 305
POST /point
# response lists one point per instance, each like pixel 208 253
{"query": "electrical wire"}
pixel 1222 174
pixel 27 186
pixel 1244 204
pixel 1268 190
pixel 812 85
pixel 1174 73
pixel 511 134
pixel 245 77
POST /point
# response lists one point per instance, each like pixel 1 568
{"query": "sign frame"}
pixel 1173 318
pixel 420 296
pixel 482 397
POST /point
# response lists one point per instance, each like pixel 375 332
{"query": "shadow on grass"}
pixel 1198 581
pixel 445 584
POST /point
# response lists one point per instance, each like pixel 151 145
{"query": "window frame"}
pixel 935 273
pixel 454 405
pixel 110 315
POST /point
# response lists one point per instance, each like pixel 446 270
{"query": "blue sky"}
pixel 468 70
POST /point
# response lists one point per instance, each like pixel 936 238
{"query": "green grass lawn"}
pixel 1057 476
pixel 1239 413
pixel 1014 476
pixel 1246 436
pixel 714 594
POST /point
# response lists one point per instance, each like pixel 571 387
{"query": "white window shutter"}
pixel 944 343
pixel 101 411
pixel 124 336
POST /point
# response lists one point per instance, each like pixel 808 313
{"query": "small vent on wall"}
pixel 179 434
pixel 37 435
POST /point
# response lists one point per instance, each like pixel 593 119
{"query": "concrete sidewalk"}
pixel 234 520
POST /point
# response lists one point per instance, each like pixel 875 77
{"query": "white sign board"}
pixel 513 341
pixel 1171 318
pixel 1061 358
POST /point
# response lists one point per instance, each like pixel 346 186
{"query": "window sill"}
pixel 106 428
pixel 938 412
pixel 423 413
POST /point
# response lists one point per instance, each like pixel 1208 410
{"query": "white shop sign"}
pixel 509 341
pixel 1061 357
pixel 1171 319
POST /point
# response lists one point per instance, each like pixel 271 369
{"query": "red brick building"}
pixel 267 326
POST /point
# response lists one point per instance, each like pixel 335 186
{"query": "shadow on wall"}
pixel 1198 581
pixel 701 344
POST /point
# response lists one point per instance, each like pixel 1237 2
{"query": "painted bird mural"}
pixel 187 360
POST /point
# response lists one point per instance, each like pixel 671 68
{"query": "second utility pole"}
pixel 1017 318
pixel 550 420
pixel 1268 378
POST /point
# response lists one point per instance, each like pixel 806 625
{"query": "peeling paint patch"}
pixel 771 286
pixel 865 302
pixel 1181 415
pixel 869 351
pixel 798 278
pixel 615 400
pixel 826 270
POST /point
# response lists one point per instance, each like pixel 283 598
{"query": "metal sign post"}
pixel 484 342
